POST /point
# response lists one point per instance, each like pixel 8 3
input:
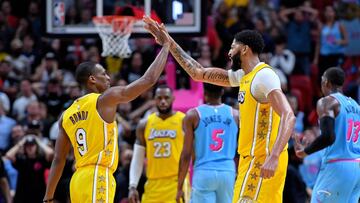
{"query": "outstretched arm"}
pixel 282 107
pixel 124 94
pixel 189 124
pixel 62 148
pixel 197 72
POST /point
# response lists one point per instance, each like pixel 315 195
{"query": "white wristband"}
pixel 136 165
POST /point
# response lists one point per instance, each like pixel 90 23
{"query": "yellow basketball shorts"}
pixel 164 190
pixel 92 184
pixel 251 188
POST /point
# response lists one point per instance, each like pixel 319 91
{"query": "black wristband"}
pixel 48 200
pixel 326 138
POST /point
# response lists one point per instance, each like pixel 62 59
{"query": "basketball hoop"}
pixel 114 32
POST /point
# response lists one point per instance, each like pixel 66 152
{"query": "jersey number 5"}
pixel 219 142
pixel 353 131
pixel 81 141
pixel 162 145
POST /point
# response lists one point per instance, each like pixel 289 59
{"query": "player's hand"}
pixel 158 31
pixel 133 195
pixel 269 167
pixel 299 147
pixel 180 196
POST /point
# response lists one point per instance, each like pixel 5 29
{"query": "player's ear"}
pixel 92 79
pixel 245 49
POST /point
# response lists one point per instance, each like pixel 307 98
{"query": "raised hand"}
pixel 158 31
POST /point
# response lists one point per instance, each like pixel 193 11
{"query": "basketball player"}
pixel 264 112
pixel 161 138
pixel 339 176
pixel 89 126
pixel 211 131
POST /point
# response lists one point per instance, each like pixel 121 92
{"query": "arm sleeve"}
pixel 136 166
pixel 235 77
pixel 326 138
pixel 264 82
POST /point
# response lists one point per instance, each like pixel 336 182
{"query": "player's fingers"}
pixel 264 173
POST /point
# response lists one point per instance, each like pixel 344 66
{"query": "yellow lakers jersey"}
pixel 259 123
pixel 94 141
pixel 164 143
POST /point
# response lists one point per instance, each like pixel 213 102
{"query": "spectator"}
pixel 4 99
pixel 29 51
pixel 6 9
pixel 333 39
pixel 8 81
pixel 47 69
pixel 31 165
pixel 17 133
pixel 283 59
pixel 4 184
pixel 134 70
pixel 6 124
pixel 20 63
pixel 298 30
pixel 205 56
pixel 34 18
pixel 32 114
pixel 54 99
pixel 72 16
pixel 27 96
pixel 260 26
pixel 85 18
pixel 299 123
pixel 12 175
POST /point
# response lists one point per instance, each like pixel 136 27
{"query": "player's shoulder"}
pixel 180 114
pixel 143 122
pixel 267 71
pixel 330 99
pixel 192 113
pixel 327 102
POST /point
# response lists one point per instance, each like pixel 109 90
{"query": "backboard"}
pixel 73 18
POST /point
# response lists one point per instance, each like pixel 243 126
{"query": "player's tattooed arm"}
pixel 196 71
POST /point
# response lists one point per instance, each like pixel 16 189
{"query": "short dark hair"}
pixel 335 75
pixel 83 71
pixel 163 86
pixel 213 91
pixel 251 38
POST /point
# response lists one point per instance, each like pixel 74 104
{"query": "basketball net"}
pixel 115 32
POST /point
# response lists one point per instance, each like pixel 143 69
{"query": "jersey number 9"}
pixel 81 141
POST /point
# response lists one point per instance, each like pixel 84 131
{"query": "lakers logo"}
pixel 241 97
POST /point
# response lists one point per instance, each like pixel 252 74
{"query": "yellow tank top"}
pixel 259 123
pixel 94 141
pixel 164 143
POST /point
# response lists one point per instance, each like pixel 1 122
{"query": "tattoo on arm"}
pixel 185 61
pixel 196 71
pixel 215 76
